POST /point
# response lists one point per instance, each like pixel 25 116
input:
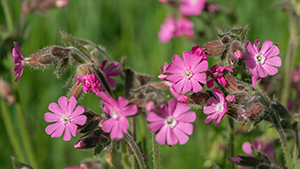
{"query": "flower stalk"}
pixel 282 138
pixel 136 151
pixel 156 160
pixel 230 143
pixel 124 154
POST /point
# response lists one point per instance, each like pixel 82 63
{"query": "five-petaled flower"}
pixel 217 108
pixel 173 123
pixel 66 118
pixel 261 62
pixel 18 59
pixel 217 73
pixel 89 81
pixel 109 71
pixel 260 146
pixel 117 124
pixel 187 73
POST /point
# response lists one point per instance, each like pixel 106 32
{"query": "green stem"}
pixel 21 121
pixel 292 47
pixel 11 132
pixel 230 143
pixel 296 147
pixel 25 137
pixel 135 150
pixel 124 154
pixel 156 160
pixel 282 138
pixel 8 16
pixel 143 134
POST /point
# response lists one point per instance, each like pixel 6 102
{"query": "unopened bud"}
pixel 230 98
pixel 238 54
pixel 60 52
pixel 88 142
pixel 247 161
pixel 80 145
pixel 199 98
pixel 76 91
pixel 214 48
pixel 82 70
pixel 255 111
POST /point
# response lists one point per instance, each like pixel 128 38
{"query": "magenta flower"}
pixel 192 7
pixel 173 123
pixel 184 27
pixel 65 116
pixel 261 62
pixel 89 81
pixel 259 146
pixel 18 59
pixel 217 73
pixel 187 73
pixel 217 108
pixel 198 51
pixel 167 30
pixel 117 123
pixel 163 75
pixel 109 71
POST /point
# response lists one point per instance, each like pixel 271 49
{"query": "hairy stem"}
pixel 296 147
pixel 135 150
pixel 124 154
pixel 230 143
pixel 282 138
pixel 11 132
pixel 156 160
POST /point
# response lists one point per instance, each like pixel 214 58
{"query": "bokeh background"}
pixel 130 28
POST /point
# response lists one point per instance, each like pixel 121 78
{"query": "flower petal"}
pixel 209 109
pixel 55 109
pixel 79 120
pixel 180 109
pixel 182 138
pixel 59 131
pixel 50 117
pixel 63 103
pixel 129 110
pixel 123 122
pixel 274 61
pixel 161 135
pixel 185 127
pixel 153 127
pixel 154 117
pixel 246 147
pixel 67 135
pixel 108 124
pixel 171 137
pixel 78 111
pixel 116 132
pixel 71 104
pixel 52 127
pixel 187 117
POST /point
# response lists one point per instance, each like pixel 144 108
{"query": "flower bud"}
pixel 88 142
pixel 214 48
pixel 5 92
pixel 82 70
pixel 199 98
pixel 60 52
pixel 247 161
pixel 76 91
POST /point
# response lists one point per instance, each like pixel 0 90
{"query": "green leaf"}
pixel 19 165
pixel 241 32
pixel 69 41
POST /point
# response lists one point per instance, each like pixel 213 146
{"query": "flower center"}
pixel 114 114
pixel 65 119
pixel 219 108
pixel 260 58
pixel 171 122
pixel 188 74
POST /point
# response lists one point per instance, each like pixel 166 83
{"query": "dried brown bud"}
pixel 60 52
pixel 214 48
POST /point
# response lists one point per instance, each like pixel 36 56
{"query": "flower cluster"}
pixel 182 25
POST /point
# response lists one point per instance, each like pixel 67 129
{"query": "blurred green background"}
pixel 130 28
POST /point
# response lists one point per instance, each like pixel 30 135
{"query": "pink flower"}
pixel 65 116
pixel 254 80
pixel 173 123
pixel 217 73
pixel 217 108
pixel 198 51
pixel 259 146
pixel 238 54
pixel 61 3
pixel 109 71
pixel 89 81
pixel 192 7
pixel 117 123
pixel 18 59
pixel 184 27
pixel 167 30
pixel 163 75
pixel 230 98
pixel 261 62
pixel 187 73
